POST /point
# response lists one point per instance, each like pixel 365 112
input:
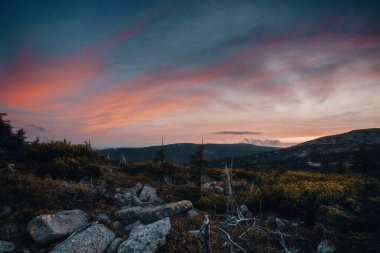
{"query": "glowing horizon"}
pixel 125 74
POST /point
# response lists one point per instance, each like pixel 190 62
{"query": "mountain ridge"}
pixel 181 152
pixel 341 152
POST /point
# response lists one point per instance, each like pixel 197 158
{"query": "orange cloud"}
pixel 31 83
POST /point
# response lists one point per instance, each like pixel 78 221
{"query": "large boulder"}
pixel 325 246
pixel 134 190
pixel 49 227
pixel 127 198
pixel 151 214
pixel 132 226
pixel 94 239
pixel 147 239
pixel 116 224
pixel 6 247
pixel 103 218
pixel 114 245
pixel 148 193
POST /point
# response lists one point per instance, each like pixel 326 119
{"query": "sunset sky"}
pixel 125 73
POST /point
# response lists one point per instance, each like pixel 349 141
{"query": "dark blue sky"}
pixel 292 70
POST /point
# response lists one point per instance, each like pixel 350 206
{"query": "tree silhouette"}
pixel 11 144
pixel 198 160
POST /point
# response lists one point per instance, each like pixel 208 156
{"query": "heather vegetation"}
pixel 39 178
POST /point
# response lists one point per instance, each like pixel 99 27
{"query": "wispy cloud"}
pixel 238 133
pixel 37 128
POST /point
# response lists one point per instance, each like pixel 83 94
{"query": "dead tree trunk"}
pixel 204 231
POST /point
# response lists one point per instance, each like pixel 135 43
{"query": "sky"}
pixel 125 73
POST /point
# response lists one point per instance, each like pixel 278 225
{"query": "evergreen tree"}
pixel 11 144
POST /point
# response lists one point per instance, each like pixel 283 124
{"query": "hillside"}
pixel 181 152
pixel 341 152
pixel 63 197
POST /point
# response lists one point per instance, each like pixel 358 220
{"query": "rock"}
pixel 7 247
pixel 245 211
pixel 26 251
pixel 134 191
pixel 138 188
pixel 156 201
pixel 116 224
pixel 192 214
pixel 135 200
pixel 147 239
pixel 127 197
pixel 94 239
pixel 132 226
pixel 103 218
pixel 210 186
pixel 49 227
pixel 9 169
pixel 119 189
pixel 150 214
pixel 147 193
pixel 112 248
pixel 118 196
pixel 325 246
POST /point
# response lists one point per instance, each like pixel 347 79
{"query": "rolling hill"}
pixel 342 152
pixel 181 152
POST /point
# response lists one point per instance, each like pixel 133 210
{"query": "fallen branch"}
pixel 231 241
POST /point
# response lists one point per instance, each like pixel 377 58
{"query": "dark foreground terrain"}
pixel 277 210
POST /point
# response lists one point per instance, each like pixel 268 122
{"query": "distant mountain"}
pixel 181 152
pixel 341 152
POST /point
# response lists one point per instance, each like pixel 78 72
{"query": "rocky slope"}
pixel 144 216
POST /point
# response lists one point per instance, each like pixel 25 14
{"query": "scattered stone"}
pixel 117 224
pixel 245 211
pixel 156 201
pixel 112 248
pixel 103 218
pixel 325 246
pixel 118 196
pixel 192 214
pixel 9 169
pixel 147 193
pixel 127 197
pixel 26 251
pixel 119 189
pixel 138 188
pixel 7 247
pixel 49 227
pixel 135 200
pixel 212 186
pixel 94 239
pixel 150 214
pixel 147 239
pixel 132 226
